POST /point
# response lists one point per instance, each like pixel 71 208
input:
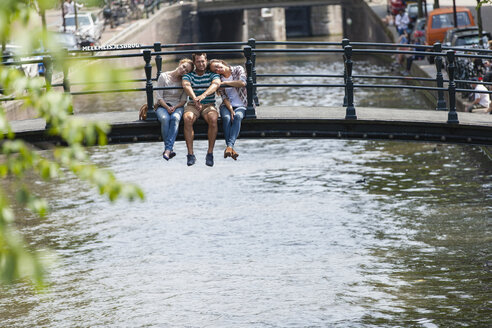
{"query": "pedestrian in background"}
pixel 69 7
pixel 410 58
pixel 481 100
pixel 401 21
pixel 403 40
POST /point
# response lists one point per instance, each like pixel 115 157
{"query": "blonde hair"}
pixel 187 61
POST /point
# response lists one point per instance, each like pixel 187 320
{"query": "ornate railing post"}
pixel 441 103
pixel 158 59
pixel 149 89
pixel 452 115
pixel 250 109
pixel 252 44
pixel 349 85
pixel 345 42
pixel 48 71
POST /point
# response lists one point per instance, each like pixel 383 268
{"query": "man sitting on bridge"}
pixel 200 86
pixel 481 101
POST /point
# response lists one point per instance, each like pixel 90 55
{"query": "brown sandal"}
pixel 228 152
pixel 234 154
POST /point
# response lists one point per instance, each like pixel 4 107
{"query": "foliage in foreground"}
pixel 20 24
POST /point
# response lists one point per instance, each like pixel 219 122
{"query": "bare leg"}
pixel 189 134
pixel 211 119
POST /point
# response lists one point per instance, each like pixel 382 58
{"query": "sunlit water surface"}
pixel 296 233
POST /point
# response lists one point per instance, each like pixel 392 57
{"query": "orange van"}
pixel 442 19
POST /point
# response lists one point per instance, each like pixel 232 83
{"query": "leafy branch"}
pixel 19 159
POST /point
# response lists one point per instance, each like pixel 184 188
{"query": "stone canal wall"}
pixel 170 24
pixel 361 23
pixel 266 24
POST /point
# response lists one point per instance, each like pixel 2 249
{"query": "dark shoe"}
pixel 234 155
pixel 172 154
pixel 209 159
pixel 165 156
pixel 190 159
pixel 228 152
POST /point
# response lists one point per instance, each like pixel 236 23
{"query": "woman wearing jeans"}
pixel 234 101
pixel 170 104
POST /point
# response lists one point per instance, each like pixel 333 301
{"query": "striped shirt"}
pixel 204 81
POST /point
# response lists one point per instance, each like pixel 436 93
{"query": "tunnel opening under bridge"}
pixel 221 26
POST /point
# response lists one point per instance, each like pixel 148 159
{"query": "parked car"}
pixel 75 41
pixel 394 6
pixel 441 20
pixel 29 70
pixel 413 10
pixel 465 37
pixel 68 41
pixel 89 25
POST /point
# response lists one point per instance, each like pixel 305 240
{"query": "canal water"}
pixel 296 233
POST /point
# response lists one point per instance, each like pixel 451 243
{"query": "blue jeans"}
pixel 169 125
pixel 231 129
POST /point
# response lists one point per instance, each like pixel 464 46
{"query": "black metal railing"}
pixel 250 50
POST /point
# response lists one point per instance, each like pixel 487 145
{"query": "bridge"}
pixel 295 122
pixel 442 125
pixel 212 21
pixel 228 5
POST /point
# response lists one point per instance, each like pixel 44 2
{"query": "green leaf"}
pixel 7 214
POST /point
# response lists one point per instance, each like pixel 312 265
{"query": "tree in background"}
pixel 19 24
pixel 479 18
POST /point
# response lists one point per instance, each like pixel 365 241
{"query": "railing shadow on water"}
pixel 345 49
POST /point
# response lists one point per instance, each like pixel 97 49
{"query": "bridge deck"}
pixel 310 122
